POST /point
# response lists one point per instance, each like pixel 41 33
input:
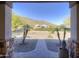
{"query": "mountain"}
pixel 31 22
pixel 19 21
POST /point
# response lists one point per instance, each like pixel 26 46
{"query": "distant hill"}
pixel 18 21
pixel 32 22
pixel 29 21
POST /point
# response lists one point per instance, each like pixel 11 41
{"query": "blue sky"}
pixel 52 12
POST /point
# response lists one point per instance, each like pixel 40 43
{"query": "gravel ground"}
pixel 52 45
pixel 34 44
pixel 42 35
pixel 28 46
pixel 38 50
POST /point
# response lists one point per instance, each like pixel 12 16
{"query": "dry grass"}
pixel 43 35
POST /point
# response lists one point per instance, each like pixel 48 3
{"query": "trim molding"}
pixel 72 3
pixel 9 3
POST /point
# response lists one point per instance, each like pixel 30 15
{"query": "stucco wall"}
pixel 8 16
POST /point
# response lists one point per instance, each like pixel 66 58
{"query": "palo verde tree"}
pixel 26 29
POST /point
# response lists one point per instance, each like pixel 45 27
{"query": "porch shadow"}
pixel 53 45
pixel 28 46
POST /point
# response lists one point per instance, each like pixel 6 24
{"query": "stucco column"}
pixel 5 25
pixel 75 25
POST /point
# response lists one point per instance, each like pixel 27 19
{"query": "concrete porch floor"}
pixel 40 51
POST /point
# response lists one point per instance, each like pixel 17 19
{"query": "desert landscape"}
pixel 42 35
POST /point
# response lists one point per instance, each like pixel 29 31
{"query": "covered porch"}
pixel 6 41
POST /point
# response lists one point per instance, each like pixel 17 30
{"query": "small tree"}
pixel 61 27
pixel 26 29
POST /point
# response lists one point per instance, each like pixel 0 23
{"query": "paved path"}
pixel 40 51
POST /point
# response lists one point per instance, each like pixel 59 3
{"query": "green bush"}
pixel 16 22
